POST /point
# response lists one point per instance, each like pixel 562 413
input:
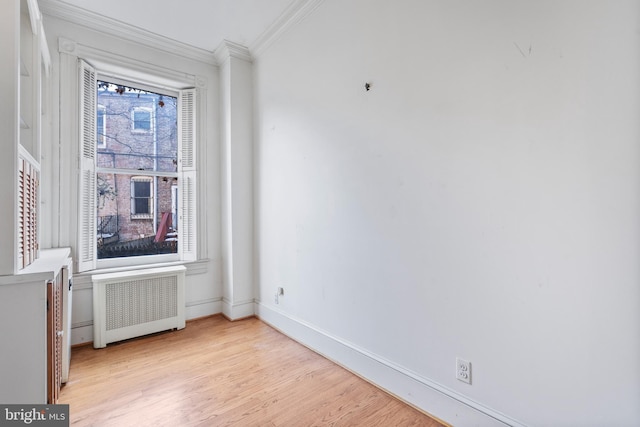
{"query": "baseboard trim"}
pixel 196 309
pixel 237 310
pixel 419 392
pixel 208 316
pixel 82 332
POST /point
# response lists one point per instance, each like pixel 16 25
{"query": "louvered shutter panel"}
pixel 31 219
pixel 22 203
pixel 87 227
pixel 187 129
pixel 187 180
pixel 28 182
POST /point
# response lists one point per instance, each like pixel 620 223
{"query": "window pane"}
pixel 143 189
pixel 142 205
pixel 142 129
pixel 136 217
pixel 137 214
pixel 142 119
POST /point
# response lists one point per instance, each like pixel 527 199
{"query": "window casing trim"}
pixel 189 218
pixel 159 75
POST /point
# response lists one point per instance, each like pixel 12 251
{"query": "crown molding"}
pixel 34 15
pixel 228 49
pixel 115 28
pixel 296 12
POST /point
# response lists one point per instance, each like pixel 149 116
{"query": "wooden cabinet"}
pixel 32 329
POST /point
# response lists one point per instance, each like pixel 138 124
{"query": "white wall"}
pixel 204 278
pixel 9 127
pixel 236 91
pixel 482 200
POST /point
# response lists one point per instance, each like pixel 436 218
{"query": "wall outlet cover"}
pixel 463 370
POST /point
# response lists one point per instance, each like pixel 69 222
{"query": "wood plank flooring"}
pixel 220 373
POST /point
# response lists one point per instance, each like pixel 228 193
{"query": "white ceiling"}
pixel 199 23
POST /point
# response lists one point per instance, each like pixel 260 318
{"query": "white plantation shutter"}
pixel 22 204
pixel 87 227
pixel 187 180
pixel 187 129
pixel 28 183
pixel 187 230
pixel 31 221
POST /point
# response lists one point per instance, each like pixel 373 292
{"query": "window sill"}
pixel 142 216
pixel 83 280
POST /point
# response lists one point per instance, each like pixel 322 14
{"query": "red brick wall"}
pixel 137 150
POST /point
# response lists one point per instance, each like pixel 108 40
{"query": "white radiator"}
pixel 130 304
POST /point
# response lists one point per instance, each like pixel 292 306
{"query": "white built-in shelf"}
pixel 44 267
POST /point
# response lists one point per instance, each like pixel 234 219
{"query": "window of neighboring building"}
pixel 142 202
pixel 142 118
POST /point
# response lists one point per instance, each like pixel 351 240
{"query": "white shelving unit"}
pixel 21 89
pixel 32 282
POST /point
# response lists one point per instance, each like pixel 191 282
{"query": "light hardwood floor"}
pixel 220 373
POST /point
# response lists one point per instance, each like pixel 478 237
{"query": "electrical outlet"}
pixel 279 293
pixel 463 370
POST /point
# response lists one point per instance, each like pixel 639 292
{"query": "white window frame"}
pixel 187 177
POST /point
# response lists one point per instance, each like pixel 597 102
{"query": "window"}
pixel 132 188
pixel 101 124
pixel 142 197
pixel 135 207
pixel 142 118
